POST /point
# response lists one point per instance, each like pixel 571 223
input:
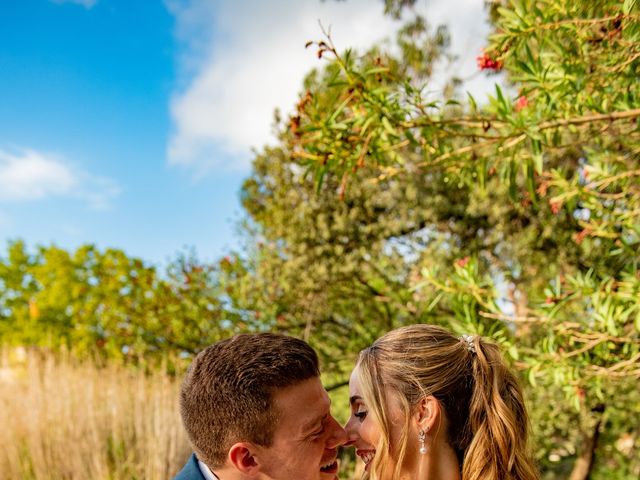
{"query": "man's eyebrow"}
pixel 354 399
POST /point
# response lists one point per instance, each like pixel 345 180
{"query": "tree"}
pixel 108 305
pixel 544 208
pixel 334 271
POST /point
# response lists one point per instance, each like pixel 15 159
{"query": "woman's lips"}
pixel 366 456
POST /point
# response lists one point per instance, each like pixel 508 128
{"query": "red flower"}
pixel 226 263
pixel 462 262
pixel 555 206
pixel 521 103
pixel 485 62
pixel 580 236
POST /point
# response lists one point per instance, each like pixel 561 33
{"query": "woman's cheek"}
pixel 369 432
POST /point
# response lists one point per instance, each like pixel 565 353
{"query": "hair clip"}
pixel 468 340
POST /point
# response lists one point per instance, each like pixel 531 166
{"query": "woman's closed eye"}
pixel 361 415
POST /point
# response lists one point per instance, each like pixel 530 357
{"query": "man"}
pixel 254 408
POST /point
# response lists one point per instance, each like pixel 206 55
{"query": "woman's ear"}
pixel 428 413
pixel 242 457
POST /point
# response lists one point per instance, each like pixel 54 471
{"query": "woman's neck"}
pixel 439 464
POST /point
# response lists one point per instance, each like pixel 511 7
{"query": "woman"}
pixel 428 405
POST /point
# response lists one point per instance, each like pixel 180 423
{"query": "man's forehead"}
pixel 303 405
pixel 309 391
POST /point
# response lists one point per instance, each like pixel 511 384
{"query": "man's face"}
pixel 306 438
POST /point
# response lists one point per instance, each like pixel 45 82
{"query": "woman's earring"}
pixel 422 436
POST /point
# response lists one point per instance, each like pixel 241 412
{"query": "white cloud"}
pixel 243 59
pixel 32 176
pixel 85 3
pixel 29 175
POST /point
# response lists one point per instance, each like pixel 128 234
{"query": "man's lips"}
pixel 330 467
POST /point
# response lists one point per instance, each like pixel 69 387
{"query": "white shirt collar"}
pixel 206 472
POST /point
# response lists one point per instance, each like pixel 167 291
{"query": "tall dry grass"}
pixel 61 420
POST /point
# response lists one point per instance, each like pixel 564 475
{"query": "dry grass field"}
pixel 61 419
pixel 65 420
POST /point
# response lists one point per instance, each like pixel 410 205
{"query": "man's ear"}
pixel 428 413
pixel 242 458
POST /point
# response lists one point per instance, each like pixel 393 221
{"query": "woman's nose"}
pixel 339 435
pixel 352 432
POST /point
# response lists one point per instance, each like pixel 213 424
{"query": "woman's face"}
pixel 362 432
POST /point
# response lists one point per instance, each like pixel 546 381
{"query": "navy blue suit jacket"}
pixel 190 471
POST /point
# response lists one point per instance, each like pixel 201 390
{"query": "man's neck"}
pixel 206 471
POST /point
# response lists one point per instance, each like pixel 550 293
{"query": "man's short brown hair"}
pixel 227 395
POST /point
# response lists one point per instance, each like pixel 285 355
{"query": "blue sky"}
pixel 130 124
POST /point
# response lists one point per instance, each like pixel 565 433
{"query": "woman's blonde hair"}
pixel 482 400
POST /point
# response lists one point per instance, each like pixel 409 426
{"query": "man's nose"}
pixel 338 435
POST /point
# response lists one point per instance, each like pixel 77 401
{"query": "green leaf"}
pixel 531 180
pixel 538 159
pixel 410 137
pixel 376 70
pixel 320 173
pixel 525 67
pixel 338 110
pixel 533 64
pixel 628 6
pixel 481 171
pixel 387 126
pixel 531 375
pixel 513 352
pixel 472 103
pixel 502 101
pixel 513 182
